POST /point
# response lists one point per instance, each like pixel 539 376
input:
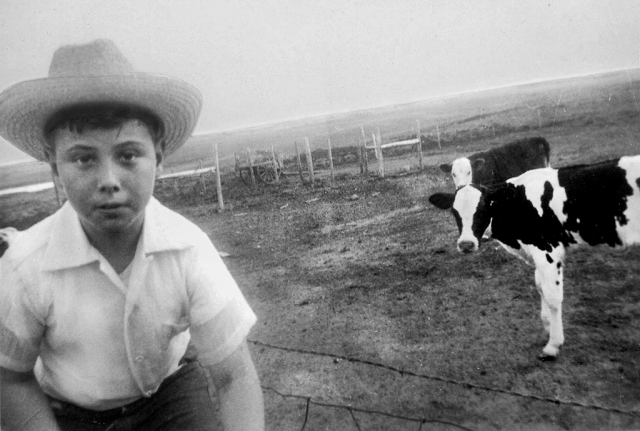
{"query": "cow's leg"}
pixel 549 280
pixel 545 313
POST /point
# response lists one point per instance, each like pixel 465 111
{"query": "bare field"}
pixel 369 319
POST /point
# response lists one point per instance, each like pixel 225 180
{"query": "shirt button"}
pixel 148 393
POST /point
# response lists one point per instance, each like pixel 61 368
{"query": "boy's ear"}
pixel 444 201
pixel 54 168
pixel 159 159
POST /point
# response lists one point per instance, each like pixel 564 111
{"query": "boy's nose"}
pixel 108 180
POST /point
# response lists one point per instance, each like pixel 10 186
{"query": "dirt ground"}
pixel 369 319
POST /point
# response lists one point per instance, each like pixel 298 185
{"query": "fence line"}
pixel 449 380
pixel 378 146
pixel 309 400
pixel 361 155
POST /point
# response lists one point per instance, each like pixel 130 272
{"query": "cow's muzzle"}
pixel 467 246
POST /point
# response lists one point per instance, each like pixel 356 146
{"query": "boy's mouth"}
pixel 109 207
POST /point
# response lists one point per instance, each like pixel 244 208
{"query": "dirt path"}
pixel 369 319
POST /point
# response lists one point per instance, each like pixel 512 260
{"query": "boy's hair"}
pixel 101 116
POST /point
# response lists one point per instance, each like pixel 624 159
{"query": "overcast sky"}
pixel 263 61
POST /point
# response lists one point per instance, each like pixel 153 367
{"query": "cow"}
pixel 540 214
pixel 498 164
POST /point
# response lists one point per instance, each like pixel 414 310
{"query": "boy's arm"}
pixel 239 391
pixel 23 405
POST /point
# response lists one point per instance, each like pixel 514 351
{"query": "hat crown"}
pixel 95 74
pixel 100 57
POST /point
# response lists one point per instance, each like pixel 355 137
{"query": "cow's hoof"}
pixel 546 358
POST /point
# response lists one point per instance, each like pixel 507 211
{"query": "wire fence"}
pixel 309 401
pixel 419 421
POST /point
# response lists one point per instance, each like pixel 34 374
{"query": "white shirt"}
pixel 100 343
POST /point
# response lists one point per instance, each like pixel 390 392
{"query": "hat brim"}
pixel 26 107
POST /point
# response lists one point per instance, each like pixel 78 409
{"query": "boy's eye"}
pixel 83 160
pixel 128 156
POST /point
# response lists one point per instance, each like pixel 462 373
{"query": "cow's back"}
pixel 603 201
pixel 595 204
pixel 511 160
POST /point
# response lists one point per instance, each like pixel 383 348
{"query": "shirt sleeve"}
pixel 21 327
pixel 219 313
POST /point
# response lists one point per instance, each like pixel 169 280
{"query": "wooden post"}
pixel 438 130
pixel 275 164
pixel 359 154
pixel 299 163
pixel 375 145
pixel 55 187
pixel 366 160
pixel 309 161
pixel 235 156
pixel 378 142
pixel 333 178
pixel 253 177
pixel 419 146
pixel 218 182
pixel 364 168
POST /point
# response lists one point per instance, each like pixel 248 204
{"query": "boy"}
pixel 99 301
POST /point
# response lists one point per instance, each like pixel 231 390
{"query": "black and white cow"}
pixel 498 164
pixel 541 213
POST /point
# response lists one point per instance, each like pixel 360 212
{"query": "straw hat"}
pixel 95 73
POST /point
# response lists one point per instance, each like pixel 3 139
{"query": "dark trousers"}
pixel 184 401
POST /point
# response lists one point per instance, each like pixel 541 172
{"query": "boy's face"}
pixel 108 175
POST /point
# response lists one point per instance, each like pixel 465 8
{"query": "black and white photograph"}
pixel 367 215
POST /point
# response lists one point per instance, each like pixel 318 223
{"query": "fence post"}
pixel 331 163
pixel 419 146
pixel 309 161
pixel 438 130
pixel 218 182
pixel 275 164
pixel 55 187
pixel 365 160
pixel 253 177
pixel 375 145
pixel 299 163
pixel 378 142
pixel 360 156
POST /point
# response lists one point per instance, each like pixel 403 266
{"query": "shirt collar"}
pixel 161 230
pixel 69 247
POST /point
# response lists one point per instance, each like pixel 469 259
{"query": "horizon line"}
pixel 428 99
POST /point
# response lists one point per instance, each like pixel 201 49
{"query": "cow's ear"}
pixel 444 201
pixel 477 164
pixel 446 168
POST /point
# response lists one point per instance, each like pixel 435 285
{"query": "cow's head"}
pixel 461 170
pixel 470 206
